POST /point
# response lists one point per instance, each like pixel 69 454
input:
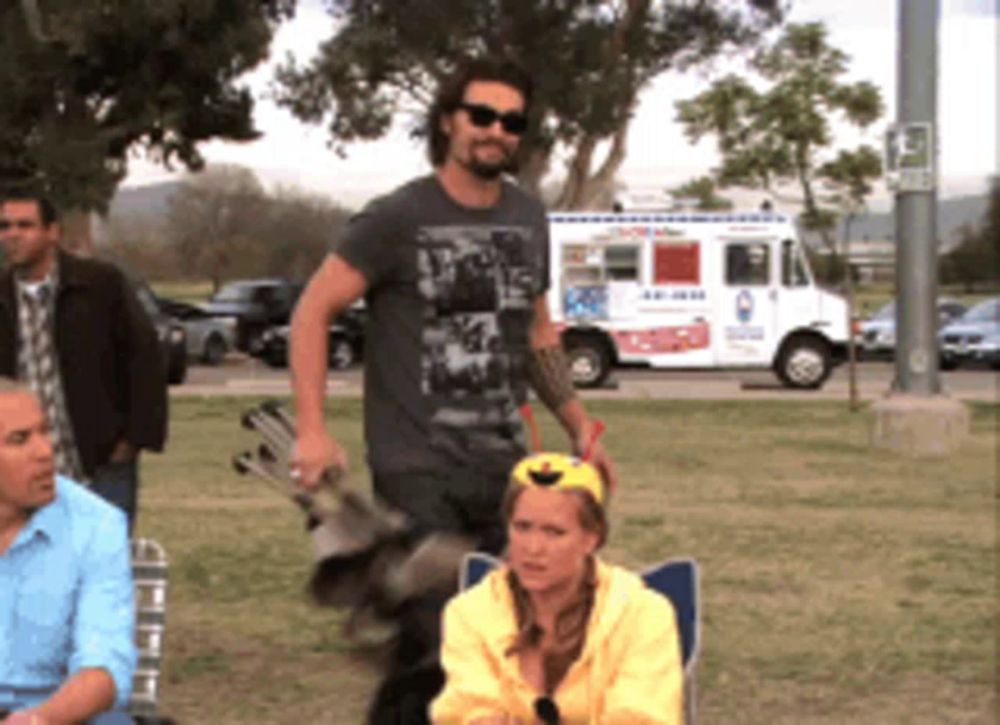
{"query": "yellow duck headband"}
pixel 559 471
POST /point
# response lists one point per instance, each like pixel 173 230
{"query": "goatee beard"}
pixel 488 172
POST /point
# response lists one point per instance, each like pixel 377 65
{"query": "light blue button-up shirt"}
pixel 66 599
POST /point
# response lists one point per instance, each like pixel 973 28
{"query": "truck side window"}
pixel 793 271
pixel 621 262
pixel 748 264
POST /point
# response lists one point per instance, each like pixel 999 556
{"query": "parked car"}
pixel 972 338
pixel 878 332
pixel 256 304
pixel 209 338
pixel 345 343
pixel 173 336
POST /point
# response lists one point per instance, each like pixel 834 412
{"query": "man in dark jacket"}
pixel 73 330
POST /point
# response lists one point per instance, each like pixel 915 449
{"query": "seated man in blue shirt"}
pixel 67 652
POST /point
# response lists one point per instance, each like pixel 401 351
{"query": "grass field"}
pixel 838 584
pixel 193 291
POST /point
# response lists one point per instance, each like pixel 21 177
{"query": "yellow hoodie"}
pixel 629 672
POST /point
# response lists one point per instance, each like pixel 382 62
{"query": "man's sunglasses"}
pixel 513 122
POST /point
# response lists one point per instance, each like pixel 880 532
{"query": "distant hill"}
pixel 953 213
pixel 150 201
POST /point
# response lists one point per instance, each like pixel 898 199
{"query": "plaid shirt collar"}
pixel 51 280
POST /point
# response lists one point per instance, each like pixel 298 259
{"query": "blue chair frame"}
pixel 676 579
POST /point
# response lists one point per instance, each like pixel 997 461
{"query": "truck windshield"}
pixel 793 268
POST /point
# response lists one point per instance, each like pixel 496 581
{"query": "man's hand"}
pixel 586 443
pixel 123 452
pixel 313 454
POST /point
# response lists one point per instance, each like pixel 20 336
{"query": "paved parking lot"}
pixel 244 376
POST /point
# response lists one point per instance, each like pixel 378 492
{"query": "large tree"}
pixel 223 223
pixel 704 192
pixel 590 60
pixel 781 136
pixel 213 220
pixel 86 82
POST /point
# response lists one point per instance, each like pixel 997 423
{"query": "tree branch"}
pixel 33 19
pixel 594 186
pixel 579 169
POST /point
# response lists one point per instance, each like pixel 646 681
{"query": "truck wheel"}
pixel 215 350
pixel 804 363
pixel 341 354
pixel 588 362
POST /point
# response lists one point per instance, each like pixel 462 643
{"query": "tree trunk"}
pixel 77 232
pixel 582 188
pixel 579 170
pixel 593 187
pixel 534 165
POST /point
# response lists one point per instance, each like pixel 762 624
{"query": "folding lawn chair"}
pixel 149 572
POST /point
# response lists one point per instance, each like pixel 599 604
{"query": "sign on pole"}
pixel 909 157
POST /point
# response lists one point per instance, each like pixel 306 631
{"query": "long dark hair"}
pixel 570 633
pixel 452 91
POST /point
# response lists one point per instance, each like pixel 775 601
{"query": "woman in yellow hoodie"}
pixel 556 635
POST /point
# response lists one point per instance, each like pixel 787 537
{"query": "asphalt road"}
pixel 244 376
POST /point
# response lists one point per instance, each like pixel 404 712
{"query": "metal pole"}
pixel 852 352
pixel 916 210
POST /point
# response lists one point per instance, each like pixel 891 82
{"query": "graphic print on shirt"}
pixel 478 283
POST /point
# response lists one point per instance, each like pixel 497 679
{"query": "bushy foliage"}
pixel 590 60
pixel 87 82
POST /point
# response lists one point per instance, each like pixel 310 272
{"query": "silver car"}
pixel 973 338
pixel 209 338
pixel 878 332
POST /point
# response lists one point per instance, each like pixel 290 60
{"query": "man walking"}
pixel 66 591
pixel 73 330
pixel 454 270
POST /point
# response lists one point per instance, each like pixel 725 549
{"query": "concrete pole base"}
pixel 919 426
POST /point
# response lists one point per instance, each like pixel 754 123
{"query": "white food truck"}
pixel 691 290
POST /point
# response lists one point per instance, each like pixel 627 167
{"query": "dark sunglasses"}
pixel 23 224
pixel 513 122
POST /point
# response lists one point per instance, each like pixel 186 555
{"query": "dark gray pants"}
pixel 462 500
pixel 118 483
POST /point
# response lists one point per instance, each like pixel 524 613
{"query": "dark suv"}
pixel 345 341
pixel 257 304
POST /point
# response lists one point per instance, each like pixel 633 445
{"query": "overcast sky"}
pixel 658 154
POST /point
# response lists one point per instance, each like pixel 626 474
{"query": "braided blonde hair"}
pixel 570 629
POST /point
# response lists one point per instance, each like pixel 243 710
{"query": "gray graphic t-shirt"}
pixel 450 303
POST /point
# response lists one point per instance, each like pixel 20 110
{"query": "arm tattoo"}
pixel 548 373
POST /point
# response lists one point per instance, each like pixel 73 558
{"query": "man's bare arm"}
pixel 548 372
pixel 87 693
pixel 334 286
